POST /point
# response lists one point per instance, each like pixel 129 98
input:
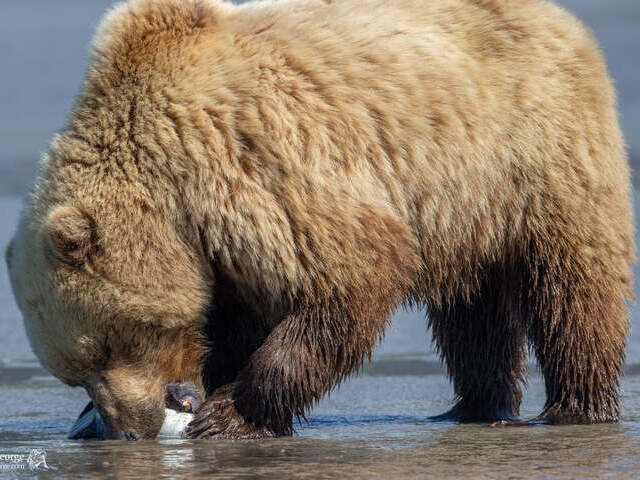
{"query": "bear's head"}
pixel 112 289
pixel 108 265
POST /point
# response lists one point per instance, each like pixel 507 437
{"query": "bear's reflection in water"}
pixel 440 451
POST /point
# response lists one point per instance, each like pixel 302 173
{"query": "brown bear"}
pixel 244 193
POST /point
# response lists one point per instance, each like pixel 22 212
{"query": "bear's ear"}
pixel 70 234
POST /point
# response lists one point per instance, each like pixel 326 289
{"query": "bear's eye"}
pixel 9 253
pixel 74 383
pixel 105 355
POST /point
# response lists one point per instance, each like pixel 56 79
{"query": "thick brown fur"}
pixel 245 193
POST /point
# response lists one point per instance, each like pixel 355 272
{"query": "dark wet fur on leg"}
pixel 578 331
pixel 482 342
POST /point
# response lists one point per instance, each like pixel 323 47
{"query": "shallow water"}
pixel 375 425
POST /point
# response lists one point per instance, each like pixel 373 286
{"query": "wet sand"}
pixel 374 426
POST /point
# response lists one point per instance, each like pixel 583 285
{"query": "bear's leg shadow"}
pixel 234 331
pixel 332 329
pixel 482 341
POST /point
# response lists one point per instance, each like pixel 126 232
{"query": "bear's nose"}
pixel 131 435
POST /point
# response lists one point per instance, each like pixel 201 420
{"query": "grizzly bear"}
pixel 245 193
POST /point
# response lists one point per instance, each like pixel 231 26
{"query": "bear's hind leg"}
pixel 578 332
pixel 483 344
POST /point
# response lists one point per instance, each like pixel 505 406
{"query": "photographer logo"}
pixel 34 461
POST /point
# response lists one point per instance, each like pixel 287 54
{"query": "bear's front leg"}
pixel 334 326
pixel 302 359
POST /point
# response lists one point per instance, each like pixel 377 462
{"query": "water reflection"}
pixel 441 451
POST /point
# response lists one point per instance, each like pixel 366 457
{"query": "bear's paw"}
pixel 218 417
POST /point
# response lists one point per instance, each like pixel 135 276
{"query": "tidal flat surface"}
pixel 375 425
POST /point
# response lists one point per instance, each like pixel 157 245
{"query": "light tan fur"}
pixel 300 145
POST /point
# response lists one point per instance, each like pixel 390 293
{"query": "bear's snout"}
pixel 129 406
pixel 105 422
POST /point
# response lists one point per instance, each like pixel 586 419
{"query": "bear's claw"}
pixel 218 417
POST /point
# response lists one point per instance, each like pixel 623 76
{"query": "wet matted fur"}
pixel 245 193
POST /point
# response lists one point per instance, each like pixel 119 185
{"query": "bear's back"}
pixel 455 110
